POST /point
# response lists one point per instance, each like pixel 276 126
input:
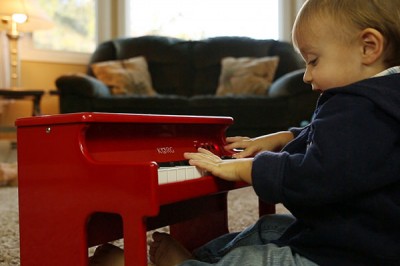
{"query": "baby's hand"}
pixel 252 146
pixel 230 170
pixel 243 146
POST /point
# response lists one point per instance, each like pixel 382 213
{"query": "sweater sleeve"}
pixel 342 157
pixel 268 189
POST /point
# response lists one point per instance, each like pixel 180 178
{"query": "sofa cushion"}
pixel 168 60
pixel 246 75
pixel 191 68
pixel 129 76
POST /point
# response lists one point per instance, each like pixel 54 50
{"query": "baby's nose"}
pixel 307 77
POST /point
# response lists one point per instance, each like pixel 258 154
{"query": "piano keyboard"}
pixel 168 175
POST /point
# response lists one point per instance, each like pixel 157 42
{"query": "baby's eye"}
pixel 313 62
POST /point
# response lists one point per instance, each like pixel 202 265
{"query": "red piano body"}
pixel 90 178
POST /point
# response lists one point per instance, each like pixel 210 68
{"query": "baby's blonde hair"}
pixel 347 15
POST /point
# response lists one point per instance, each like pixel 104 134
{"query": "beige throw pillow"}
pixel 130 76
pixel 246 75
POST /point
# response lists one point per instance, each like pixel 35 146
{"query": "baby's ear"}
pixel 372 45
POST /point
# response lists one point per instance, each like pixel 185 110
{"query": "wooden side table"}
pixel 34 95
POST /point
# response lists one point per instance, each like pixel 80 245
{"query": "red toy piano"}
pixel 90 178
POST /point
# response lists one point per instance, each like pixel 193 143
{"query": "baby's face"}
pixel 330 61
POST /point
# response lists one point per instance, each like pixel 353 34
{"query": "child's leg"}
pixel 168 252
pixel 266 229
pixel 249 247
pixel 256 255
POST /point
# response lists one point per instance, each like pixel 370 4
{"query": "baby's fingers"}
pixel 202 154
pixel 236 139
pixel 206 165
pixel 208 154
pixel 237 143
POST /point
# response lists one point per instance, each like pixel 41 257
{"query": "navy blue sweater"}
pixel 340 177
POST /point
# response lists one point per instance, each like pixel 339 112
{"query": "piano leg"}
pixel 106 227
pixel 135 245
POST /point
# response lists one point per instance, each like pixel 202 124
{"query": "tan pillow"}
pixel 246 75
pixel 130 76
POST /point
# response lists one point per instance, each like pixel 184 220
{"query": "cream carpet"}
pixel 242 213
pixel 9 242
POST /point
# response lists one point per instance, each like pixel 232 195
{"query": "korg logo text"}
pixel 165 150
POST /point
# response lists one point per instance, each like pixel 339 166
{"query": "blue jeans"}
pixel 250 247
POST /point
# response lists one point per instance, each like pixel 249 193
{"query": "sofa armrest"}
pixel 82 85
pixel 289 84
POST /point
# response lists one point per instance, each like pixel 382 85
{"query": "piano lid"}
pixel 95 117
pixel 131 137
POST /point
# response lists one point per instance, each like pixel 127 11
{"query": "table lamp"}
pixel 19 16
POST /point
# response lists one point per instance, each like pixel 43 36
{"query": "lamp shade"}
pixel 37 19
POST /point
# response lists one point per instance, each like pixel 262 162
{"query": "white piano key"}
pixel 197 173
pixel 189 172
pixel 172 175
pixel 178 174
pixel 162 175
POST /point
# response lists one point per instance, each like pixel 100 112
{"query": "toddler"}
pixel 340 175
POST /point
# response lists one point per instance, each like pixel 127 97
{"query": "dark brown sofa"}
pixel 185 75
